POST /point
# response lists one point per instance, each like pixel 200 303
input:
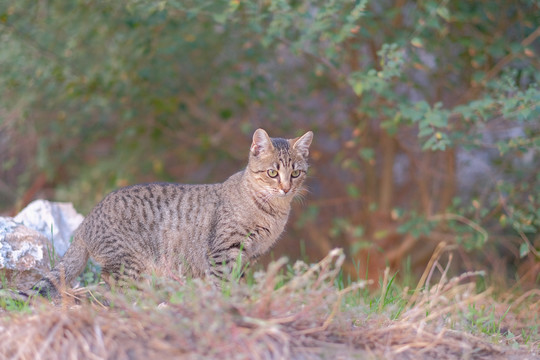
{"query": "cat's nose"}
pixel 285 188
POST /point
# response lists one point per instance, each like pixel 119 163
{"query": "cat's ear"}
pixel 261 142
pixel 302 143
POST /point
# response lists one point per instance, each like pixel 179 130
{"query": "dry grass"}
pixel 303 317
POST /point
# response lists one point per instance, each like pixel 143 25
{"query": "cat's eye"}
pixel 272 173
pixel 295 173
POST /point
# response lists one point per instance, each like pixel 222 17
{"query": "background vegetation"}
pixel 425 113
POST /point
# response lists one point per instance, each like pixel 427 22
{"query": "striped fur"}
pixel 197 230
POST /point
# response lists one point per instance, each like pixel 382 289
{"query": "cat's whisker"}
pixel 300 198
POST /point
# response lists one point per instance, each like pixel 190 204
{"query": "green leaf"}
pixel 523 250
pixel 353 191
pixel 417 42
pixel 425 131
pixel 444 13
pixel 503 147
pixel 367 153
pixel 220 18
pixel 360 245
pixel 358 87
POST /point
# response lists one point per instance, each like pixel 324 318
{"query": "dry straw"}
pixel 303 317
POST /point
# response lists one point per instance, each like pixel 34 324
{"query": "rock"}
pixel 31 241
pixel 24 254
pixel 57 221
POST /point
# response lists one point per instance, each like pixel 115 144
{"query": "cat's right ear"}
pixel 261 142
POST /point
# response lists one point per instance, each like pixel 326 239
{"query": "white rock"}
pixel 57 221
pixel 25 254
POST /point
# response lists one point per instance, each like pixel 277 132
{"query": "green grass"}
pixel 13 304
pixel 51 251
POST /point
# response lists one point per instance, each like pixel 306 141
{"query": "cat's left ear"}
pixel 302 143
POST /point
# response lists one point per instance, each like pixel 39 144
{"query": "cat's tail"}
pixel 63 274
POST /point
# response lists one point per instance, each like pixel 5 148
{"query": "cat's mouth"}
pixel 283 193
pixel 279 193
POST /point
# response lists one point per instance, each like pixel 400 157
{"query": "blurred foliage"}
pixel 426 113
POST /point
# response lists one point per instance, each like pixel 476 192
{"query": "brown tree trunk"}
pixel 449 182
pixel 38 184
pixel 386 189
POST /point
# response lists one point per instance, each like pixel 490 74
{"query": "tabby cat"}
pixel 196 230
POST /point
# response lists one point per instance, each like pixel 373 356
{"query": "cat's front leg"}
pixel 228 261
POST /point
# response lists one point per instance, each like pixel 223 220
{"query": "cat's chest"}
pixel 264 234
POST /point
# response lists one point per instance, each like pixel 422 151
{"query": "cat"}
pixel 197 230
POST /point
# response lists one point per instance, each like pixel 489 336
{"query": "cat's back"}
pixel 146 207
pixel 159 194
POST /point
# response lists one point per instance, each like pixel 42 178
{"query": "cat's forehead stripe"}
pixel 283 148
pixel 280 144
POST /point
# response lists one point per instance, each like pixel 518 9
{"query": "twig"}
pixel 335 253
pixel 505 60
pixel 384 290
pixel 443 275
pixel 434 257
pixel 95 299
pixel 471 93
pixel 337 72
pixel 449 308
pixel 335 310
pixel 269 284
pixel 524 296
pixel 532 249
pixel 49 338
pixel 472 224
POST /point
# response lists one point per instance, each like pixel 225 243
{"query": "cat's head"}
pixel 279 166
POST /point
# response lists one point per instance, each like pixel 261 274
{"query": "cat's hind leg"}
pixel 116 274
